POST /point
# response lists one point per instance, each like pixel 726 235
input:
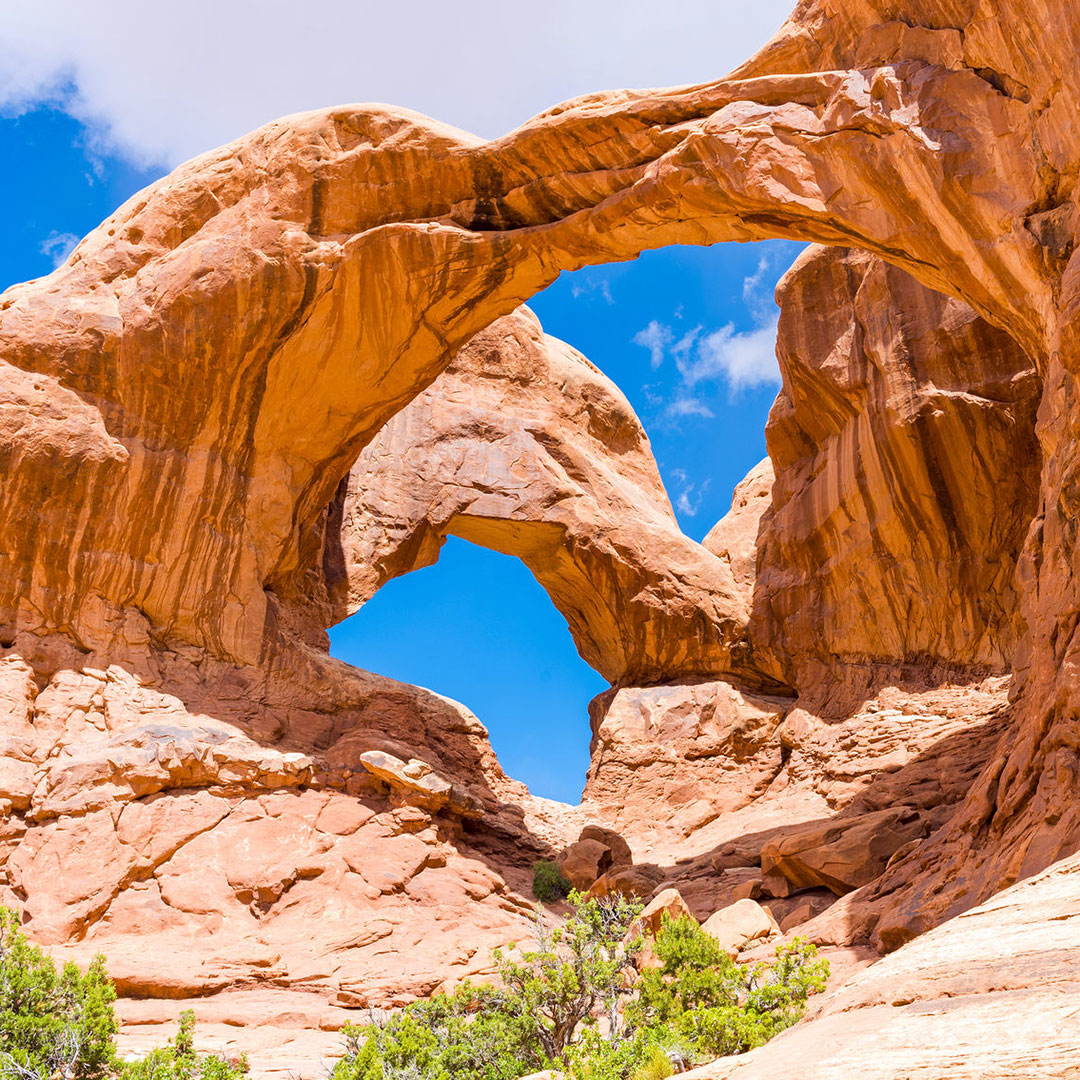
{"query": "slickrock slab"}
pixel 989 995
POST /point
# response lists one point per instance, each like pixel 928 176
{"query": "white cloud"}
pixel 588 286
pixel 690 495
pixel 58 246
pixel 686 342
pixel 688 406
pixel 656 337
pixel 164 81
pixel 742 360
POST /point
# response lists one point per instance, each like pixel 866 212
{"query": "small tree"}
pixel 576 972
pixel 527 1023
pixel 558 1006
pixel 179 1060
pixel 53 1024
pixel 715 1006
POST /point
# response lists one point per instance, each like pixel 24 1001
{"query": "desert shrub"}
pixel 179 1060
pixel 527 1023
pixel 655 1066
pixel 52 1023
pixel 574 1004
pixel 713 1005
pixel 59 1024
pixel 549 882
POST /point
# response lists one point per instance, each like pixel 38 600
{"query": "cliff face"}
pixel 903 443
pixel 213 417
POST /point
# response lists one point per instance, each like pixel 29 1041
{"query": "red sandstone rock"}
pixel 583 862
pixel 904 449
pixel 521 445
pixel 668 903
pixel 740 923
pixel 987 996
pixel 841 854
pixel 182 399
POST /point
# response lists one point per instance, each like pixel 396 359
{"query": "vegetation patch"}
pixel 59 1024
pixel 550 884
pixel 577 1004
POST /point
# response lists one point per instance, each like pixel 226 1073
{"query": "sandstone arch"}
pixel 521 445
pixel 228 338
pixel 182 398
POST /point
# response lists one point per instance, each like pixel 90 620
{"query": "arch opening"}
pixel 683 337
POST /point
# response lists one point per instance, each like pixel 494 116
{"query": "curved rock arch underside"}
pixel 283 374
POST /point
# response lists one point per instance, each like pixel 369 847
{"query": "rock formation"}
pixel 903 443
pixel 521 445
pixel 880 642
pixel 987 996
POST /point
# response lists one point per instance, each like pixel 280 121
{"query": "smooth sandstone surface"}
pixel 182 404
pixel 990 995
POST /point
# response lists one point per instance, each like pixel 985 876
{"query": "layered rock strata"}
pixel 180 402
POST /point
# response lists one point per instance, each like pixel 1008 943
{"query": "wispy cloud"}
pixel 688 406
pixel 737 359
pixel 58 246
pixel 655 337
pixel 689 495
pixel 590 286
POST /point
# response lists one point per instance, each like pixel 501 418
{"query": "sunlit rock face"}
pixel 521 445
pixel 181 401
pixel 903 443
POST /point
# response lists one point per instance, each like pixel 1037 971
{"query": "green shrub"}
pixel 179 1060
pixel 528 1023
pixel 549 882
pixel 52 1023
pixel 715 1006
pixel 656 1066
pixel 59 1025
pixel 558 1007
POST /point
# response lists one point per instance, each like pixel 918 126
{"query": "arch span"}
pixel 232 337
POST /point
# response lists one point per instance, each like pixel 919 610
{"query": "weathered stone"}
pixel 841 854
pixel 182 399
pixel 417 783
pixel 989 996
pixel 748 890
pixel 741 922
pixel 522 446
pixel 583 862
pixel 640 881
pixel 621 855
pixel 668 903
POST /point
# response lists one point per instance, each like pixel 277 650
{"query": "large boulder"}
pixel 740 923
pixel 843 854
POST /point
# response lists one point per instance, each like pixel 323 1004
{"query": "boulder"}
pixel 640 881
pixel 748 890
pixel 415 782
pixel 741 922
pixel 583 862
pixel 621 855
pixel 669 903
pixel 841 854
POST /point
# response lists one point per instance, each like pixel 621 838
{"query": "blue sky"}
pixel 91 112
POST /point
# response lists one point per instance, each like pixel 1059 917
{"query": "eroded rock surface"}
pixel 990 995
pixel 903 443
pixel 521 445
pixel 183 398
